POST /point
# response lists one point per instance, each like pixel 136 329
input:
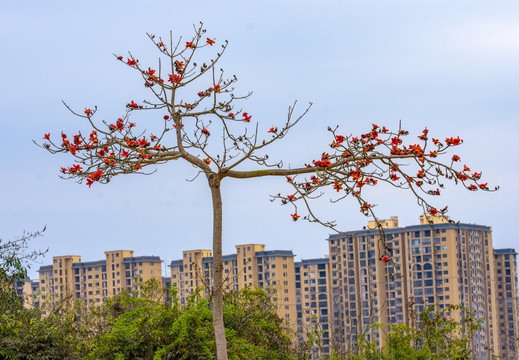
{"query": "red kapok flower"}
pixel 189 44
pixel 209 41
pixel 133 105
pixel 433 211
pixel 88 112
pixel 385 258
pixel 46 136
pixel 174 78
pixel 396 141
pixel 207 160
pixel 453 141
pixel 246 117
pixel 205 132
pixel 131 62
pixel 273 130
pixel 394 177
pixel 166 117
pixel 295 216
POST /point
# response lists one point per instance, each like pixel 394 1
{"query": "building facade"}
pixel 250 266
pixel 435 263
pixel 313 305
pixel 92 282
pixel 507 325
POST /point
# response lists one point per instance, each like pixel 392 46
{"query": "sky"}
pixel 450 66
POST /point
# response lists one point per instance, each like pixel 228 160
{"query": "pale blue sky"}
pixel 447 65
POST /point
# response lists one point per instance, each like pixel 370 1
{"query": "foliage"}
pixel 131 326
pixel 255 331
pixel 15 259
pixel 26 334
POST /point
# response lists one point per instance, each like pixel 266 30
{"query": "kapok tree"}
pixel 198 120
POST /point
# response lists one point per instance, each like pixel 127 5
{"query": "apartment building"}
pixel 313 304
pixel 28 290
pixel 92 282
pixel 507 325
pixel 435 262
pixel 250 266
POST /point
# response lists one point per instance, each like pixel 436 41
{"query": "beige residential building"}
pixel 68 278
pixel 435 262
pixel 250 266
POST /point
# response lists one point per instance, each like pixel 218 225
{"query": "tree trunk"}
pixel 219 329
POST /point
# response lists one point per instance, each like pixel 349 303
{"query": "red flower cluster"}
pixel 119 125
pixel 179 66
pixel 210 42
pixel 132 105
pixel 94 177
pixel 453 141
pixel 74 169
pixel 396 141
pixel 173 78
pixel 365 207
pixel 424 135
pixel 246 117
pixel 134 144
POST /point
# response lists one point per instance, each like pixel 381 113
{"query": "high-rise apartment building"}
pixel 507 323
pixel 313 304
pixel 436 262
pixel 68 278
pixel 250 266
